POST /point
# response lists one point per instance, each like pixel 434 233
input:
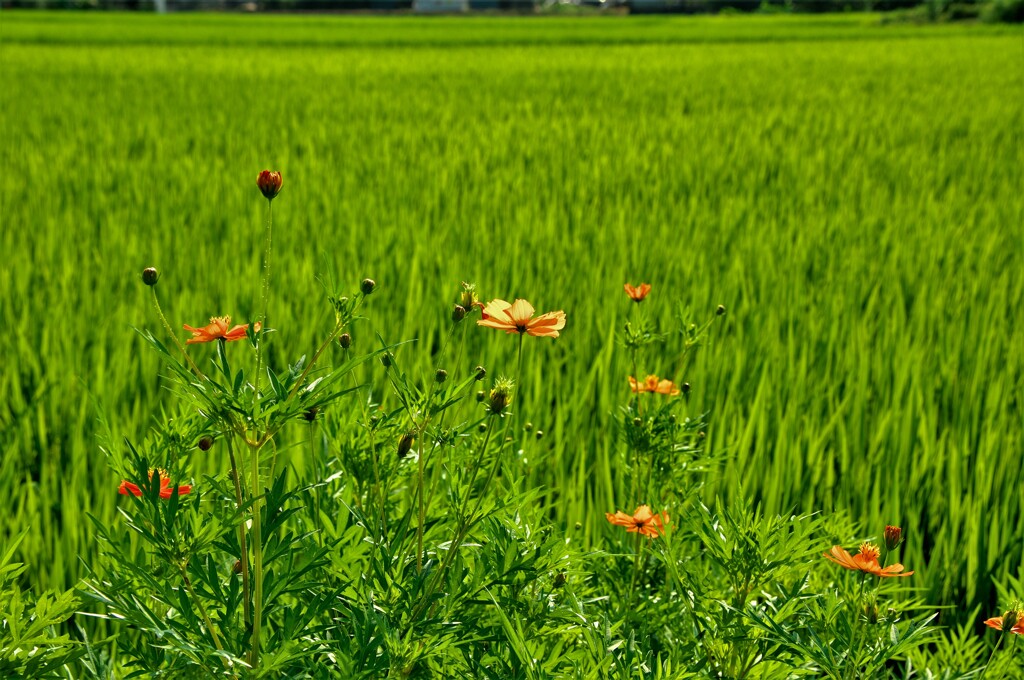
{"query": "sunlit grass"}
pixel 849 192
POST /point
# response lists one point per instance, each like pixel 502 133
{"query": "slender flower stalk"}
pixel 174 337
pixel 466 521
pixel 202 608
pixel 269 184
pixel 257 557
pixel 264 297
pixel 990 657
pixel 243 548
pixel 422 455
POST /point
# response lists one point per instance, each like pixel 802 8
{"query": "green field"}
pixel 850 191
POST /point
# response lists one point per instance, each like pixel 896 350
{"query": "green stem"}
pixel 491 474
pixel 202 608
pixel 992 655
pixel 855 634
pixel 320 350
pixel 242 547
pixel 636 566
pixel 422 455
pixel 264 297
pixel 465 522
pixel 170 332
pixel 378 492
pixel 257 554
pixel 313 459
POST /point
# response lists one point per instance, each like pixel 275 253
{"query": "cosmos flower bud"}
pixel 345 340
pixel 481 428
pixel 685 387
pixel 311 413
pixel 1010 618
pixel 528 426
pixel 468 297
pixel 720 311
pixel 480 372
pixel 385 360
pixel 205 443
pixel 367 286
pixel 893 537
pixel 539 434
pixel 405 444
pixel 237 567
pixel 458 313
pixel 637 422
pixel 441 375
pixel 500 396
pixel 150 276
pixel 269 183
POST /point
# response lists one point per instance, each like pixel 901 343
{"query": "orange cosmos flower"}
pixel 269 183
pixel 1009 622
pixel 643 521
pixel 219 329
pixel 637 293
pixel 166 490
pixel 518 317
pixel 866 560
pixel 652 384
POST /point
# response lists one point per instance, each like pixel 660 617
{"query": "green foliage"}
pixel 860 229
pixel 1006 11
pixel 30 644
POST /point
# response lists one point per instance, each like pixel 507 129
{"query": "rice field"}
pixel 850 192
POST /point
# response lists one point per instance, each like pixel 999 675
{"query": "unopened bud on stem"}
pixel 405 444
pixel 893 537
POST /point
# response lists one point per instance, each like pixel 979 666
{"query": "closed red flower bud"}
pixel 269 183
pixel 893 537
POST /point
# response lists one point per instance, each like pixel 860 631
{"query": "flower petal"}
pixel 547 325
pixel 620 518
pixel 520 312
pixel 127 488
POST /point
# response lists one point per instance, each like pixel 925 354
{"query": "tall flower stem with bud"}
pixel 270 184
pixel 264 297
pixel 150 277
